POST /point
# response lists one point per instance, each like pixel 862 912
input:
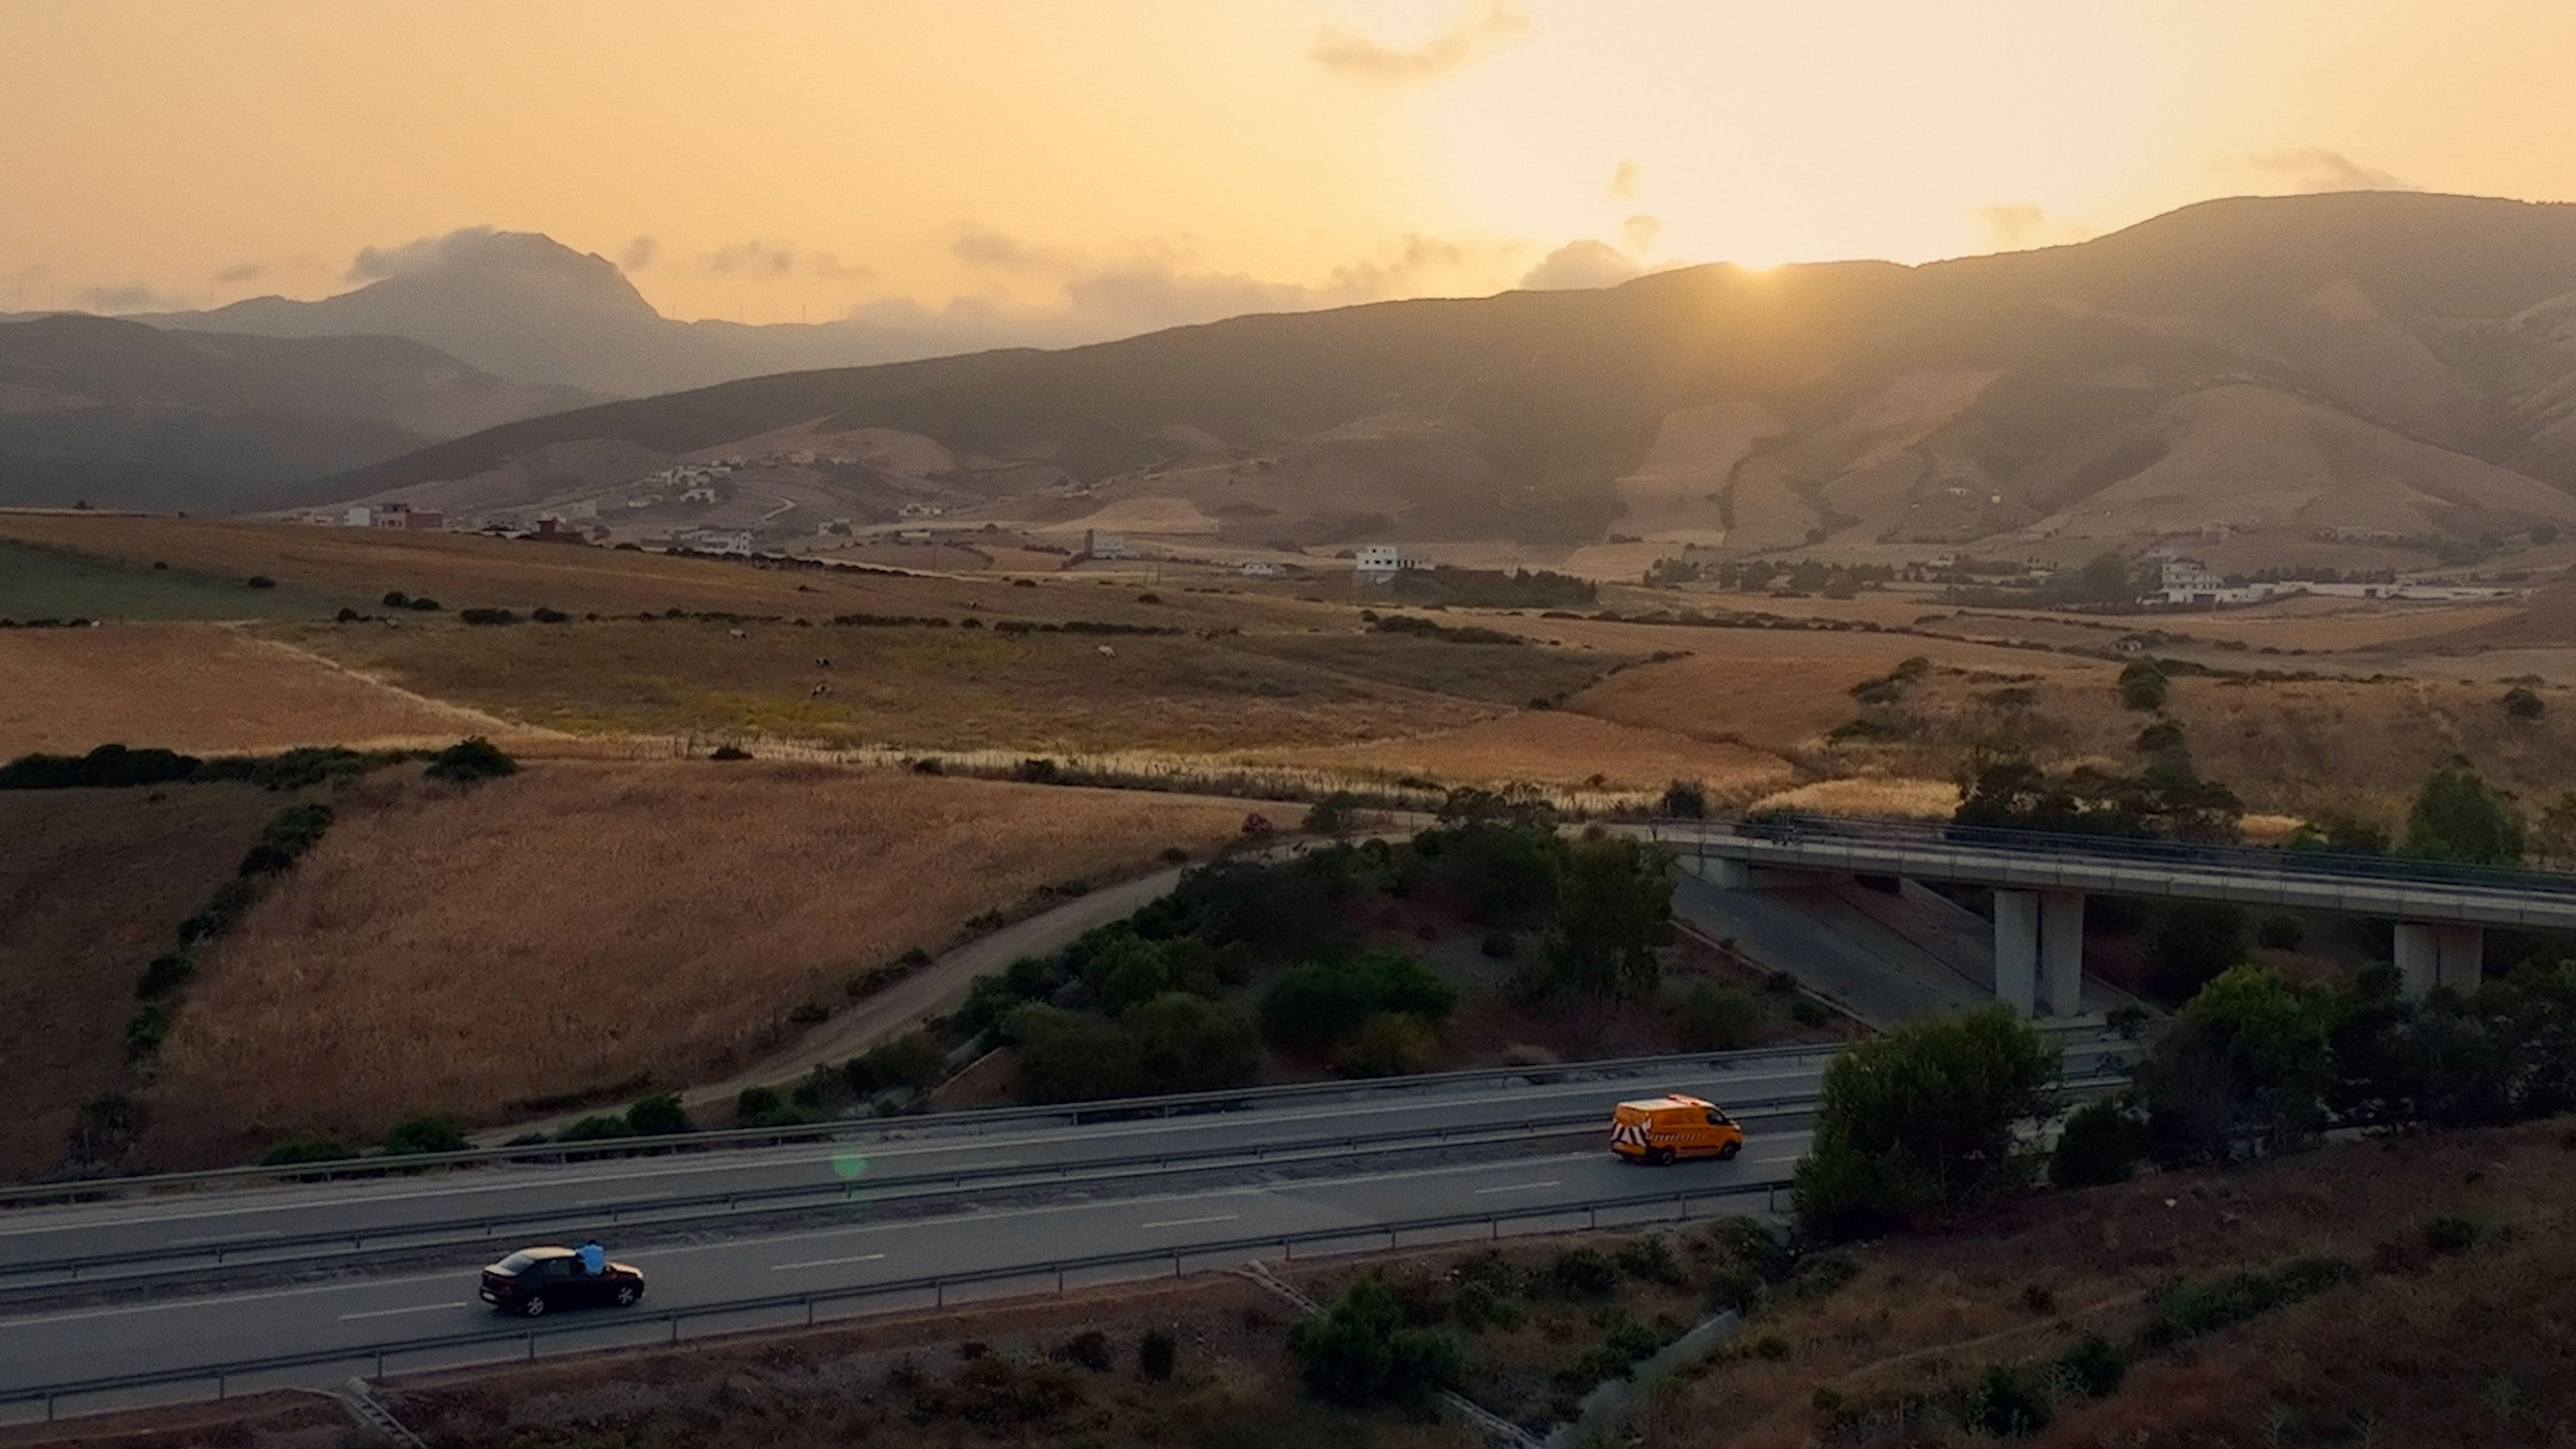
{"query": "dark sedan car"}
pixel 535 1280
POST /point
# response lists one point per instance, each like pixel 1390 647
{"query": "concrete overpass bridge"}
pixel 2040 880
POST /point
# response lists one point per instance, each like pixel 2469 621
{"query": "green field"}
pixel 38 583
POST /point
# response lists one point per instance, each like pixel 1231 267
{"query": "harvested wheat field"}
pixel 197 687
pixel 1872 797
pixel 468 570
pixel 1557 747
pixel 580 926
pixel 916 687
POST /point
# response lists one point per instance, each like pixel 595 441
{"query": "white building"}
pixel 698 495
pixel 714 540
pixel 357 515
pixel 1380 562
pixel 1105 545
pixel 1262 570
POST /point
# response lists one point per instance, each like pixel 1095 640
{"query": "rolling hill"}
pixel 116 413
pixel 2392 373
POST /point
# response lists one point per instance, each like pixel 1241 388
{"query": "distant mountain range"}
pixel 2369 379
pixel 526 307
pixel 117 413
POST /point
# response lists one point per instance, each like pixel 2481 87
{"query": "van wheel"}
pixel 535 1307
pixel 1663 1157
pixel 1729 1150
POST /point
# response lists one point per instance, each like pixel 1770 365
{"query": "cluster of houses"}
pixel 2186 582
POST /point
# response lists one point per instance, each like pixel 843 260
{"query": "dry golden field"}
pixel 467 570
pixel 904 687
pixel 197 687
pixel 2301 747
pixel 1871 797
pixel 1558 748
pixel 579 925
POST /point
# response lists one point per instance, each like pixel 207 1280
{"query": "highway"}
pixel 863 1223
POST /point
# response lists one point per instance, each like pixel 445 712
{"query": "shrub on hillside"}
pixel 1716 1018
pixel 1358 1352
pixel 427 1133
pixel 107 767
pixel 915 1059
pixel 2103 1142
pixel 1317 1004
pixel 598 1127
pixel 1335 814
pixel 1157 1353
pixel 1923 1116
pixel 657 1115
pixel 471 759
pixel 1066 1056
pixel 168 972
pixel 1615 911
pixel 296 1151
pixel 1189 1043
pixel 487 616
pixel 1388 1044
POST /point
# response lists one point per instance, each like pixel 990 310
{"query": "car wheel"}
pixel 627 1293
pixel 1663 1157
pixel 1729 1150
pixel 535 1307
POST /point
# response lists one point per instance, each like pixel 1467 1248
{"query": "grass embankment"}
pixel 576 929
pixel 94 887
pixel 2410 1292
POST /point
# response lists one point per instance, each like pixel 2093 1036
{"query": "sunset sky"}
pixel 1139 161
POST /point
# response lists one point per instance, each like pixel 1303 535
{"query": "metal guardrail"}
pixel 2320 866
pixel 839 1129
pixel 937 1285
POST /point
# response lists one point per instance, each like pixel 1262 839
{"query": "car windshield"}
pixel 516 1263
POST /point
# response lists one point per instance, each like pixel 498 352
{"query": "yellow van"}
pixel 1661 1129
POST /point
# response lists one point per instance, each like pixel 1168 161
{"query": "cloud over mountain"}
pixel 1343 52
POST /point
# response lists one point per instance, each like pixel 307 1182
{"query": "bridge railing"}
pixel 2318 865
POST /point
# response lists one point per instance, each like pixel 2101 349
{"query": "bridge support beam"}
pixel 2039 951
pixel 2017 950
pixel 2061 952
pixel 2431 954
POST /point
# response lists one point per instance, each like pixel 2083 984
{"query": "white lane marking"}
pixel 225 1301
pixel 1773 1161
pixel 826 1262
pixel 1516 1187
pixel 1191 1222
pixel 390 1312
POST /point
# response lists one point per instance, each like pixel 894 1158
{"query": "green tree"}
pixel 2105 578
pixel 1358 1351
pixel 1717 1018
pixel 2143 685
pixel 2193 942
pixel 1188 1043
pixel 657 1114
pixel 2458 816
pixel 1335 814
pixel 1923 1116
pixel 469 760
pixel 2554 840
pixel 2245 1068
pixel 428 1133
pixel 1066 1056
pixel 1615 910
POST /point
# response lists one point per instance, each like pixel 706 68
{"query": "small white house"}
pixel 358 515
pixel 1260 570
pixel 1105 545
pixel 1380 562
pixel 698 495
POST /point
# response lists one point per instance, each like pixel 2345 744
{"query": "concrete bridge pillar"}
pixel 2039 951
pixel 2061 952
pixel 2017 950
pixel 2431 954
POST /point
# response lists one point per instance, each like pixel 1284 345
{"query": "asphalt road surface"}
pixel 1147 1208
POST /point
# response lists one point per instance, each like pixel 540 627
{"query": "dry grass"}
pixel 1782 692
pixel 1556 747
pixel 2413 1345
pixel 2296 747
pixel 463 570
pixel 921 687
pixel 198 687
pixel 579 925
pixel 1875 797
pixel 910 1381
pixel 94 886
